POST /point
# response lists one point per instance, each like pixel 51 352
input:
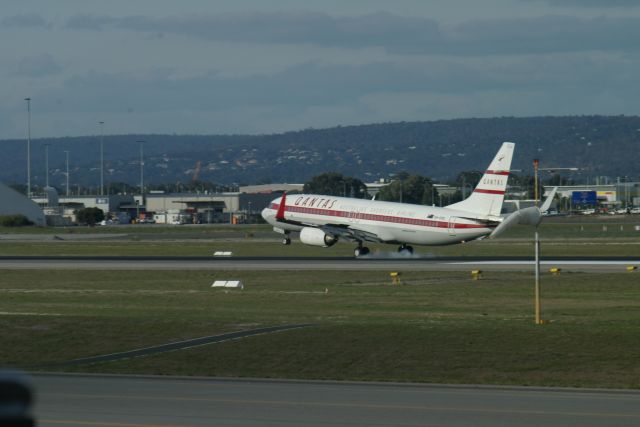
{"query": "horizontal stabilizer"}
pixel 527 216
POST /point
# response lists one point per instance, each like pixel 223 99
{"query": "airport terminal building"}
pixel 170 208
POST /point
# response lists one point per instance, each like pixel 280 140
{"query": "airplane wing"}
pixel 350 233
pixel 339 230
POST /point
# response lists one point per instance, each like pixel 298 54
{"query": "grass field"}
pixel 438 327
pixel 604 237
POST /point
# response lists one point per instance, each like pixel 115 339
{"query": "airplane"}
pixel 323 220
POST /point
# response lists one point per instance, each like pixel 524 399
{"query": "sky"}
pixel 258 67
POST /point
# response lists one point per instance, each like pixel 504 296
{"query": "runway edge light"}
pixel 476 274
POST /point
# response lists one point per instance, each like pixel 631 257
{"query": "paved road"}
pixel 82 400
pixel 590 264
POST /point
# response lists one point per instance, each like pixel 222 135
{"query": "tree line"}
pixel 421 190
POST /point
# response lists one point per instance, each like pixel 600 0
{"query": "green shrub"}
pixel 17 220
pixel 89 216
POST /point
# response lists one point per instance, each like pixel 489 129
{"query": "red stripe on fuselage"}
pixel 482 190
pixel 376 217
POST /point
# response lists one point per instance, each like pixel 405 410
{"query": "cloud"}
pixel 90 22
pixel 394 33
pixel 605 4
pixel 38 66
pixel 298 86
pixel 313 84
pixel 547 34
pixel 26 20
pixel 314 94
pixel 377 29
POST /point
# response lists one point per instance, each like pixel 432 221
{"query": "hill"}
pixel 600 145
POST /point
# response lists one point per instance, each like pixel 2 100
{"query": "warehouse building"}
pixel 169 208
pixel 206 208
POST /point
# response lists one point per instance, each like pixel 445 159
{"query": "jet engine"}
pixel 316 237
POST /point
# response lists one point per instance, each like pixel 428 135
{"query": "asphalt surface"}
pixel 393 262
pixel 98 400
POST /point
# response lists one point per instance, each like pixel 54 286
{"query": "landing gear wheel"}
pixel 361 251
pixel 406 249
pixel 286 241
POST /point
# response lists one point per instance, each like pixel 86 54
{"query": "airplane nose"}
pixel 267 214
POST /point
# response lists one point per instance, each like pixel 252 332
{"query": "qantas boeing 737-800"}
pixel 323 220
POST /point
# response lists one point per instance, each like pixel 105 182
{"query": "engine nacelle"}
pixel 316 237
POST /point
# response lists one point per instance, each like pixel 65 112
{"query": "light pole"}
pixel 536 164
pixel 101 158
pixel 28 147
pixel 626 192
pixel 433 194
pixel 66 152
pixel 46 164
pixel 141 172
pixel 537 305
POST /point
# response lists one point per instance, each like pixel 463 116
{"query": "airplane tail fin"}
pixel 488 195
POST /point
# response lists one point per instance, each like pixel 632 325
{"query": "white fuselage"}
pixel 390 222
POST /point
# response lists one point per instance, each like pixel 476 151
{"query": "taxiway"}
pixel 104 400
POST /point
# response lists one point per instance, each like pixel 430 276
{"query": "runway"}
pixel 577 264
pixel 102 400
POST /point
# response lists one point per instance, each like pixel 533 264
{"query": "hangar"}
pixel 14 203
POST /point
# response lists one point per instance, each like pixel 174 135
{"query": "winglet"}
pixel 547 203
pixel 283 201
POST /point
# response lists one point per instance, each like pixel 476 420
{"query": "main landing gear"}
pixel 286 241
pixel 405 249
pixel 360 250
